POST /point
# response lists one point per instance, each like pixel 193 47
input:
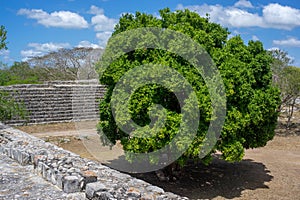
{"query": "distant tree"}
pixel 281 60
pixel 251 98
pixel 290 89
pixel 22 73
pixel 67 64
pixel 5 77
pixel 287 78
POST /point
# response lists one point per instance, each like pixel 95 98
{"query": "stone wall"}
pixel 58 101
pixel 72 174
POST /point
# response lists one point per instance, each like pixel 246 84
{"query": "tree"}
pixel 281 60
pixel 287 79
pixel 67 64
pixel 251 98
pixel 4 77
pixel 290 89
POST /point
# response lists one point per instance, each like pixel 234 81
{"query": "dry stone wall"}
pixel 84 178
pixel 58 101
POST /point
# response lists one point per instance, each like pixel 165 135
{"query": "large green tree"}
pixel 245 69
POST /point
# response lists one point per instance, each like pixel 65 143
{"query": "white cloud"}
pixel 290 42
pixel 273 49
pixel 96 11
pixel 103 37
pixel 279 16
pixel 255 38
pixel 240 18
pixel 243 3
pixel 37 49
pixel 86 43
pixel 48 47
pixel 5 54
pixel 273 15
pixel 227 16
pixel 103 25
pixel 62 19
pixel 100 21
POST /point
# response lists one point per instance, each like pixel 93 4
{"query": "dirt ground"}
pixel 271 172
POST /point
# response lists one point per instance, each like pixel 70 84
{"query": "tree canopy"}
pixel 287 78
pixel 252 100
pixel 67 64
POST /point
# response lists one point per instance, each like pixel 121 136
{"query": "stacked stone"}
pixel 59 101
pixel 74 174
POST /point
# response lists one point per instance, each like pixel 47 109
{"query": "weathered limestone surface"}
pixel 58 101
pixel 19 182
pixel 76 177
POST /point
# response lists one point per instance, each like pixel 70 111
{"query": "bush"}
pixel 9 108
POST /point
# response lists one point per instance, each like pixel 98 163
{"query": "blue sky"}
pixel 36 27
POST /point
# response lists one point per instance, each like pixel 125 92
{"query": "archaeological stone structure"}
pixel 77 178
pixel 57 101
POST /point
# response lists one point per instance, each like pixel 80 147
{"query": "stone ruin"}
pixel 57 101
pixel 84 178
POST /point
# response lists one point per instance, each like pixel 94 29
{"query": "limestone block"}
pixel 92 188
pixel 71 184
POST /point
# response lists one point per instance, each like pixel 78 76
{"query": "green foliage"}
pixel 5 77
pixel 19 73
pixel 292 75
pixel 290 90
pixel 9 108
pixel 245 69
pixel 287 78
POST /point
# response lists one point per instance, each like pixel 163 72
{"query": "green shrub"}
pixel 9 108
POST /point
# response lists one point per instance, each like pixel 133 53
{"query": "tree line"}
pixel 63 64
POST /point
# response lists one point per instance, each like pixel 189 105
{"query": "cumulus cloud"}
pixel 38 49
pixel 100 21
pixel 88 44
pixel 227 16
pixel 96 11
pixel 255 38
pixel 243 3
pixel 103 37
pixel 273 15
pixel 61 19
pixel 279 16
pixel 103 25
pixel 289 42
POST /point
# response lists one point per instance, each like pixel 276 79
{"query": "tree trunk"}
pixel 291 112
